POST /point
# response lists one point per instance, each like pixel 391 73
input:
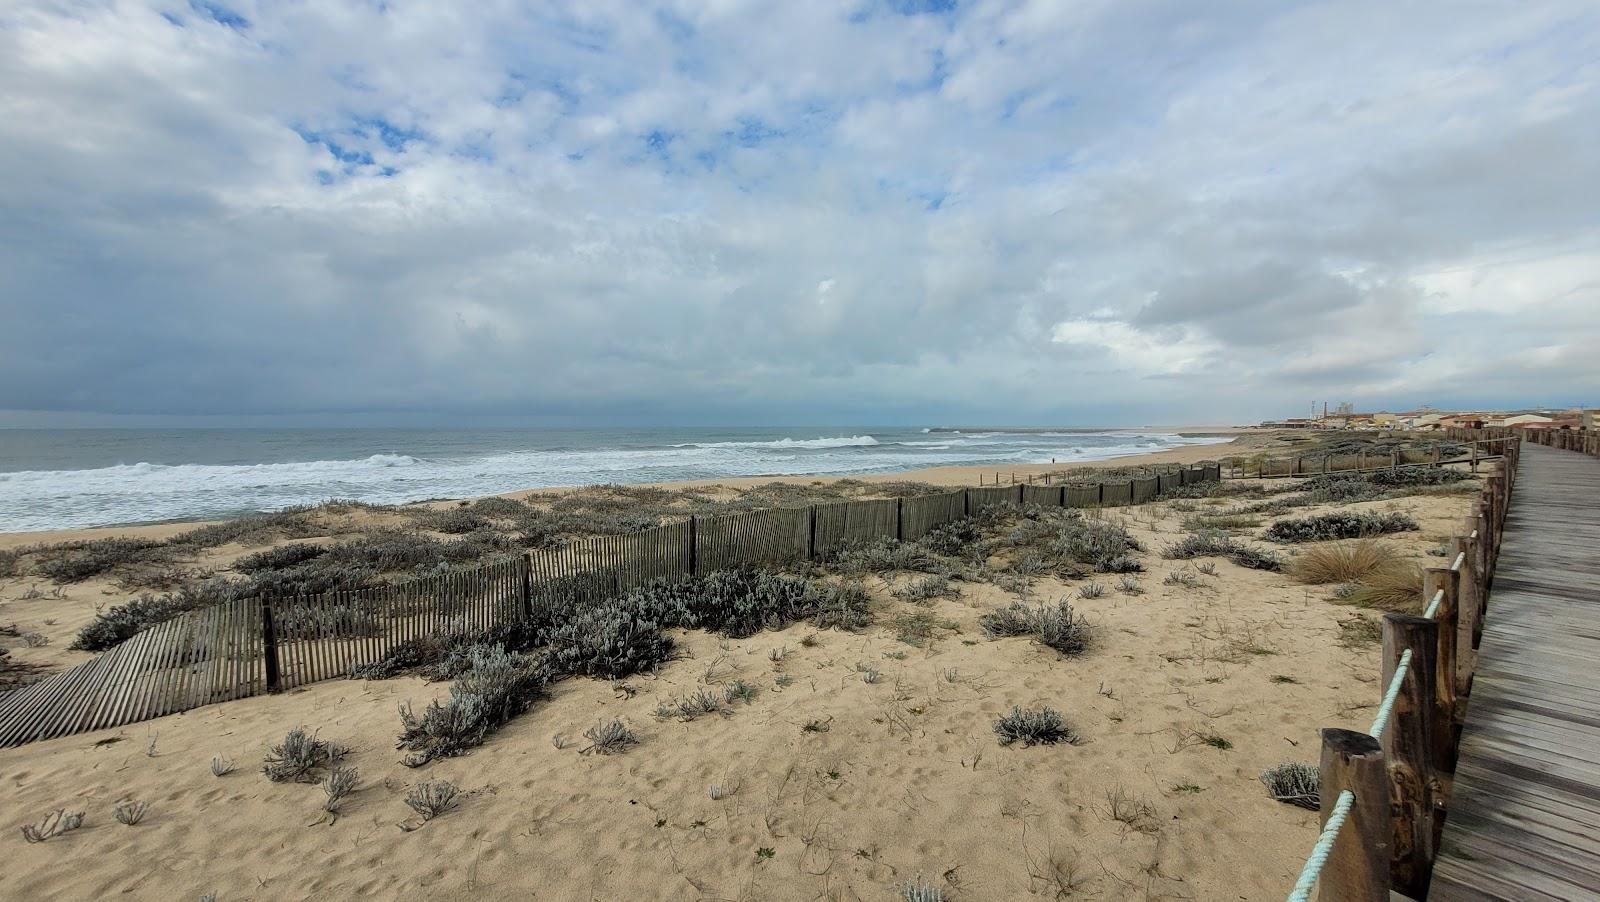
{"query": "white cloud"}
pixel 780 210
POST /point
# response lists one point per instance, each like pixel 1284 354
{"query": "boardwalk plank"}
pixel 1524 820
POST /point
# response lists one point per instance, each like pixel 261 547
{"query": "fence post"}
pixel 1470 605
pixel 526 563
pixel 811 535
pixel 966 503
pixel 694 562
pixel 1358 864
pixel 269 647
pixel 1446 675
pixel 1409 749
pixel 899 517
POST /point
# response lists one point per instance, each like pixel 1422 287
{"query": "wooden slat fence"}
pixel 248 647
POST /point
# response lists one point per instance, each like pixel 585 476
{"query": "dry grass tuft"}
pixel 1343 562
pixel 1397 588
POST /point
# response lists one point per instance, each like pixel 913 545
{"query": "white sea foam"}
pixel 146 492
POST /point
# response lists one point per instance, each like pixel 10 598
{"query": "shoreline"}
pixel 950 475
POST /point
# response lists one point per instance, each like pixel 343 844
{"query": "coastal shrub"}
pixel 117 624
pixel 952 539
pixel 337 786
pixel 691 706
pixel 882 555
pixel 300 758
pixel 1034 726
pixel 1201 544
pixel 1294 783
pixel 10 563
pixel 313 577
pixel 610 738
pixel 608 640
pixel 1256 559
pixel 1417 476
pixel 256 529
pixel 1343 562
pixel 1220 522
pixel 455 521
pixel 1057 626
pixel 1104 546
pixel 432 798
pixel 1339 525
pixel 496 686
pixel 72 562
pixel 279 557
pixel 842 606
pixel 927 587
pixel 1341 489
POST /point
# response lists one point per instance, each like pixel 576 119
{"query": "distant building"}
pixel 1521 419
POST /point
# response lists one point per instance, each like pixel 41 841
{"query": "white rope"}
pixel 1461 558
pixel 1320 851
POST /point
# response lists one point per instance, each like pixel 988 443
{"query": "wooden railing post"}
pixel 1358 865
pixel 1409 749
pixel 811 531
pixel 1448 671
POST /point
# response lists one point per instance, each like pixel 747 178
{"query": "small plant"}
pixel 610 738
pixel 716 792
pixel 35 640
pixel 1216 741
pixel 1281 678
pixel 298 758
pixel 54 824
pixel 816 726
pixel 1185 578
pixel 1129 585
pixel 1041 726
pixel 340 782
pixel 739 691
pixel 1058 626
pixel 1255 559
pixel 870 676
pixel 131 812
pixel 221 765
pixel 1187 788
pixel 432 798
pixel 783 680
pixel 927 587
pixel 688 707
pixel 921 891
pixel 764 854
pixel 777 655
pixel 1209 568
pixel 1294 783
pixel 1091 590
pixel 1356 632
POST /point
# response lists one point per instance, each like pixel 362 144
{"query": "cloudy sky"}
pixel 727 211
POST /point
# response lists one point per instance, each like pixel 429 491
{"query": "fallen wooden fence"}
pixel 247 647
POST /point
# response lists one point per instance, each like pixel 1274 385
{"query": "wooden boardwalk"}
pixel 1524 816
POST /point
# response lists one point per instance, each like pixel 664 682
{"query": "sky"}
pixel 733 212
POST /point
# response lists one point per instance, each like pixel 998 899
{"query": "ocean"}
pixel 66 478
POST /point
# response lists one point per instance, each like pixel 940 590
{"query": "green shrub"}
pixel 72 562
pixel 1057 626
pixel 1339 525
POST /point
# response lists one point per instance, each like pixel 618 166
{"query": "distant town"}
pixel 1344 416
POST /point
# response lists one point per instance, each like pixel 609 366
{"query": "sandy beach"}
pixel 830 786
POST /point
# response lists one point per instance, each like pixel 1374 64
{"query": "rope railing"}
pixel 1401 767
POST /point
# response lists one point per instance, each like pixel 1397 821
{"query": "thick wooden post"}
pixel 811 532
pixel 1446 674
pixel 1408 747
pixel 899 518
pixel 966 503
pixel 525 564
pixel 1358 865
pixel 1470 604
pixel 269 647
